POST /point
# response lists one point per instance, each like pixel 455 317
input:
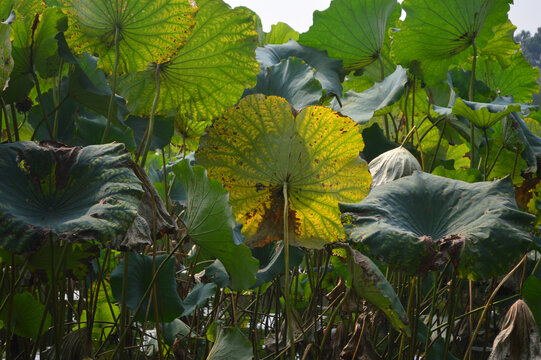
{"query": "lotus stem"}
pixel 42 104
pixel 489 302
pixel 471 94
pixel 57 100
pixel 485 174
pixel 437 148
pixel 455 284
pixel 289 316
pixel 6 118
pixel 152 117
pixel 113 88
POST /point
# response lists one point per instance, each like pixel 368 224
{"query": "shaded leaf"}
pixel 230 343
pixel 327 71
pixel 76 193
pixel 375 142
pixel 198 297
pixel 416 222
pixel 210 222
pixel 291 79
pixel 174 329
pixel 26 316
pixel 361 107
pixel 140 272
pixel 370 284
pixel 259 145
pixel 272 263
pixel 162 134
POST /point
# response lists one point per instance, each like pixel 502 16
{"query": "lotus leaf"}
pixel 147 31
pixel 88 193
pixel 291 79
pixel 361 107
pixel 261 144
pixel 352 30
pixel 437 33
pixel 391 165
pixel 327 71
pixel 481 114
pixel 230 343
pixel 6 61
pixel 416 222
pixel 281 33
pixel 210 223
pixel 209 73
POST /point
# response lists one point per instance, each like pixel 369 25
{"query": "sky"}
pixel 525 14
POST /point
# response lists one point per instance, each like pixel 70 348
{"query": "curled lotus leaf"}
pixel 147 31
pixel 391 165
pixel 79 193
pixel 261 144
pixel 417 222
pixel 483 115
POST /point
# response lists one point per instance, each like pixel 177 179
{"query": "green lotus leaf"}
pixel 198 297
pixel 6 61
pixel 375 142
pixel 361 107
pixel 175 329
pixel 23 8
pixel 280 34
pixel 272 261
pixel 417 222
pixel 230 343
pixel 352 30
pixel 140 272
pixel 502 46
pixel 104 315
pixel 327 71
pixel 291 79
pixel 530 292
pixel 148 31
pixel 210 72
pixel 260 145
pixel 483 115
pixel 26 316
pixel 35 43
pixel 210 222
pixel 87 193
pixel 370 284
pixel 519 79
pixel 438 33
pixel 467 175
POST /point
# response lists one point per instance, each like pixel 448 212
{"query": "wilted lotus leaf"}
pixel 88 193
pixel 261 144
pixel 391 165
pixel 519 337
pixel 417 222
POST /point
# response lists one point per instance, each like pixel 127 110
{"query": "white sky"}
pixel 525 14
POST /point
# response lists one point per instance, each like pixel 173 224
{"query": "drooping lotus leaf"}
pixel 35 43
pixel 502 46
pixel 291 79
pixel 26 316
pixel 370 284
pixel 391 165
pixel 198 297
pixel 361 107
pixel 6 61
pixel 352 30
pixel 259 145
pixel 148 31
pixel 438 33
pixel 140 272
pixel 210 222
pixel 416 222
pixel 210 72
pixel 230 343
pixel 77 193
pixel 482 114
pixel 519 79
pixel 281 33
pixel 327 71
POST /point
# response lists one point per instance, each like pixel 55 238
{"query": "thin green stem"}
pixel 485 174
pixel 289 316
pixel 487 305
pixel 42 104
pixel 495 160
pixel 471 95
pixel 113 88
pixel 14 121
pixel 6 118
pixel 152 116
pixel 437 148
pixel 517 153
pixel 451 313
pixel 57 100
